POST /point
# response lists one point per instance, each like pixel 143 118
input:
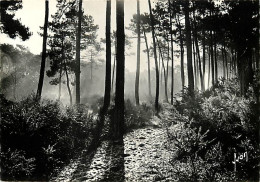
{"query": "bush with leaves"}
pixel 231 123
pixel 15 164
pixel 42 131
pixel 137 116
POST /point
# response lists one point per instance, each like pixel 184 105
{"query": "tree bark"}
pixel 118 126
pixel 223 63
pixel 216 60
pixel 108 58
pixel 113 74
pixel 172 58
pixel 155 58
pixel 148 65
pixel 212 59
pixel 189 49
pixel 198 55
pixel 78 38
pixel 60 82
pixel 182 55
pixel 204 58
pixel 65 68
pixel 68 82
pixel 195 65
pixel 209 67
pixel 164 73
pixel 138 55
pixel 42 70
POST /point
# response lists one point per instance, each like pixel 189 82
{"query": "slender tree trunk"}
pixel 198 53
pixel 42 70
pixel 182 55
pixel 216 60
pixel 138 55
pixel 155 58
pixel 226 61
pixel 223 62
pixel 209 67
pixel 168 58
pixel 172 58
pixel 60 76
pixel 118 127
pixel 91 66
pixel 108 58
pixel 182 65
pixel 204 56
pixel 68 82
pixel 65 68
pixel 189 49
pixel 212 59
pixel 113 74
pixel 164 71
pixel 148 64
pixel 195 65
pixel 77 70
pixel 199 59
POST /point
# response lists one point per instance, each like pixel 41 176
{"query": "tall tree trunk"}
pixel 68 82
pixel 212 59
pixel 91 66
pixel 113 74
pixel 42 70
pixel 118 126
pixel 60 76
pixel 108 58
pixel 223 62
pixel 164 73
pixel 138 55
pixel 148 64
pixel 198 53
pixel 226 62
pixel 189 49
pixel 209 52
pixel 204 56
pixel 199 59
pixel 182 55
pixel 168 58
pixel 216 60
pixel 78 38
pixel 172 58
pixel 155 58
pixel 65 68
pixel 195 65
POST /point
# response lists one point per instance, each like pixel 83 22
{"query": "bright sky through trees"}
pixel 32 15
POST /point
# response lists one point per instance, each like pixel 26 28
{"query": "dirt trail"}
pixel 143 156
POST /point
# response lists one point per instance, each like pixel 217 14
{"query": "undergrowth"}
pixel 209 128
pixel 38 138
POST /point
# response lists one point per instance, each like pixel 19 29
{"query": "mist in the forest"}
pixel 22 76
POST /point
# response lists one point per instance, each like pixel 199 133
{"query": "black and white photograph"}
pixel 129 90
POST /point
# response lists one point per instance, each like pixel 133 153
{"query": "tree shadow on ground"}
pixel 115 157
pixel 88 156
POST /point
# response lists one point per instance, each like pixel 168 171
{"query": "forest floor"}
pixel 142 156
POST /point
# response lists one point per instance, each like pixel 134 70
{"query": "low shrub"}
pixel 227 123
pixel 43 135
pixel 137 116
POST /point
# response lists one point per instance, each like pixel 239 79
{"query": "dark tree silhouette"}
pixel 118 122
pixel 155 58
pixel 189 48
pixel 138 55
pixel 108 57
pixel 77 69
pixel 41 78
pixel 9 25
